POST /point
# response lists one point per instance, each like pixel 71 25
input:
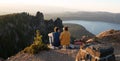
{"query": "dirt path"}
pixel 52 55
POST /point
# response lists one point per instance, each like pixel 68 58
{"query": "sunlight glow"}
pixel 65 5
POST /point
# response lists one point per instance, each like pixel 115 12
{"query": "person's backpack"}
pixel 101 52
pixel 97 52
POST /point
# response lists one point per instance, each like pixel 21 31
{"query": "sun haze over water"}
pixel 57 6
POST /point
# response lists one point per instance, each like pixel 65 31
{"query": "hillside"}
pixel 91 16
pixel 17 31
pixel 55 55
pixel 77 31
pixel 68 55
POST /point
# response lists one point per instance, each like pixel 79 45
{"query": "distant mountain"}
pixel 92 16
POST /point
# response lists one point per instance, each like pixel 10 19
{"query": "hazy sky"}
pixel 50 6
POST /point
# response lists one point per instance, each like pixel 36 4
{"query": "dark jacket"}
pixel 56 42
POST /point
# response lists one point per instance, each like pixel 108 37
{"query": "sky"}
pixel 57 6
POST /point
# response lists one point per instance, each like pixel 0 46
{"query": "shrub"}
pixel 37 45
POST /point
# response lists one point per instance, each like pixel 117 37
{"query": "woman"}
pixel 65 38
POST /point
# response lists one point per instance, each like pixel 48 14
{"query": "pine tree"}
pixel 37 45
pixel 38 38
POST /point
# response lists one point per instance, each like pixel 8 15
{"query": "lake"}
pixel 95 27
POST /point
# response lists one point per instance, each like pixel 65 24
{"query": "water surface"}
pixel 95 27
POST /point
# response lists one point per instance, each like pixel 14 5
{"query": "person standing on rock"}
pixel 65 38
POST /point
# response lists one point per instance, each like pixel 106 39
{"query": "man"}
pixel 54 38
pixel 56 35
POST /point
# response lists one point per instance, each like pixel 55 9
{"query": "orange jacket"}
pixel 65 38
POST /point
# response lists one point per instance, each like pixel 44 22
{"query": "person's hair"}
pixel 56 29
pixel 66 28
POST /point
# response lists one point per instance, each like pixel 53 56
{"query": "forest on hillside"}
pixel 17 31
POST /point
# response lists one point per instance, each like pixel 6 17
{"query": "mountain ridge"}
pixel 91 16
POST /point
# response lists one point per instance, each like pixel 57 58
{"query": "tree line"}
pixel 17 31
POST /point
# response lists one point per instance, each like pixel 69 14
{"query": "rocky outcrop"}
pixel 110 35
pixel 40 16
pixel 58 23
pixel 107 36
pixel 106 44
